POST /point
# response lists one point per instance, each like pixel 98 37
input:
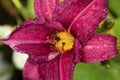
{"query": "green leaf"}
pixel 116 28
pixel 95 72
pixel 27 12
pixel 114 5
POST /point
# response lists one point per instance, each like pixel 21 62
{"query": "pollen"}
pixel 64 41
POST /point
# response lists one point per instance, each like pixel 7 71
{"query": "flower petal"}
pixel 85 23
pixel 67 63
pixel 64 12
pixel 30 71
pixel 28 37
pixel 59 68
pixel 33 37
pixel 100 47
pixel 44 8
pixel 49 70
pixel 81 17
pixel 77 47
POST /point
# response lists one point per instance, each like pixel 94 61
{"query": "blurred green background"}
pixel 12 12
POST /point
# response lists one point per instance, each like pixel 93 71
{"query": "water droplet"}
pixel 104 56
pixel 52 55
pixel 105 10
pixel 100 39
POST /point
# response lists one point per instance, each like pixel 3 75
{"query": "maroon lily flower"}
pixel 61 35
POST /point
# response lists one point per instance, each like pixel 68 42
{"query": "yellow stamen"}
pixel 63 41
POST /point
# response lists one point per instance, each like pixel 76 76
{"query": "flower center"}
pixel 63 41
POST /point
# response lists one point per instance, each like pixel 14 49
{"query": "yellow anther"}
pixel 64 41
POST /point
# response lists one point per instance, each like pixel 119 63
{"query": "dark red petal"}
pixel 29 38
pixel 33 37
pixel 30 71
pixel 50 70
pixel 77 47
pixel 67 63
pixel 69 9
pixel 86 22
pixel 59 68
pixel 38 9
pixel 100 47
pixel 44 8
pixel 81 17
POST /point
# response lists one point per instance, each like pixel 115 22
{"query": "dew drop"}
pixel 104 56
pixel 100 39
pixel 105 10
